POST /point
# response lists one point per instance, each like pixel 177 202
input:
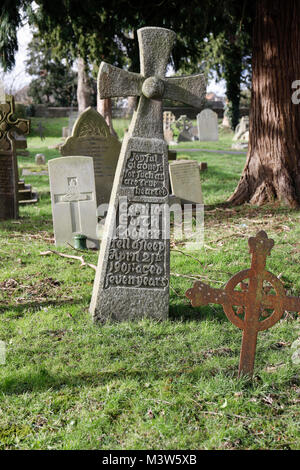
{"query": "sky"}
pixel 17 78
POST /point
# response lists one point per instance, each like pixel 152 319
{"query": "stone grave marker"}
pixel 40 159
pixel 185 181
pixel 91 137
pixel 168 120
pixel 186 129
pixel 132 278
pixel 241 134
pixel 9 123
pixel 207 122
pixel 73 199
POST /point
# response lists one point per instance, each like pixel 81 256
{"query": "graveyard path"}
pixel 230 152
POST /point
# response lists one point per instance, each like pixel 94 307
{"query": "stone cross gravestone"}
pixel 168 119
pixel 186 129
pixel 9 123
pixel 91 137
pixel 207 122
pixel 132 278
pixel 185 180
pixel 73 199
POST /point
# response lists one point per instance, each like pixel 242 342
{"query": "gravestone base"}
pixel 8 186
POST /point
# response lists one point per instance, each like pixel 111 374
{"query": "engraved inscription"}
pixel 6 175
pixel 137 254
pixel 145 173
pixel 72 194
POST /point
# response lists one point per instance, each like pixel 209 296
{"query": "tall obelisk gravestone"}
pixel 9 208
pixel 132 278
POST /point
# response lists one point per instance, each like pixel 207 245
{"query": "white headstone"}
pixel 207 122
pixel 185 180
pixel 73 199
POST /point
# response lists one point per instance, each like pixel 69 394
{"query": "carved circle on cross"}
pixel 275 315
pixel 153 88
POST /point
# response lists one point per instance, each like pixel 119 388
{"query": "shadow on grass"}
pixel 21 309
pixel 43 380
pixel 186 313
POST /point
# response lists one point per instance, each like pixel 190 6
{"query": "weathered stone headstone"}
pixel 132 278
pixel 9 123
pixel 241 128
pixel 91 137
pixel 185 127
pixel 241 135
pixel 73 199
pixel 40 159
pixel 185 180
pixel 207 122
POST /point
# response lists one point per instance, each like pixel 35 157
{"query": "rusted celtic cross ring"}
pixel 252 301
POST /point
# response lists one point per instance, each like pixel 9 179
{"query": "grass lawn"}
pixel 70 384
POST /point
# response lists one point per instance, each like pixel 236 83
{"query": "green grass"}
pixel 70 384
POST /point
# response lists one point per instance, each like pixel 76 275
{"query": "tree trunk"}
pixel 232 75
pixel 104 107
pixel 272 170
pixel 83 87
pixel 132 104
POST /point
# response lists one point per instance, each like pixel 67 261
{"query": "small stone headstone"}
pixel 185 128
pixel 73 199
pixel 241 129
pixel 40 159
pixel 91 137
pixel 207 122
pixel 185 180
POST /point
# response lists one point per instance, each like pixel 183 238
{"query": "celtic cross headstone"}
pixel 9 123
pixel 132 278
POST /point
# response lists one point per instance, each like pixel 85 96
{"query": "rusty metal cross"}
pixel 252 300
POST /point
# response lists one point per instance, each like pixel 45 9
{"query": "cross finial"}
pixel 151 84
pixel 9 123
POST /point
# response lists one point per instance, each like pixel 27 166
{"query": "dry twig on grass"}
pixel 63 255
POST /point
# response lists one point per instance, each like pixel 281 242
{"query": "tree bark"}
pixel 83 86
pixel 104 107
pixel 132 104
pixel 272 170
